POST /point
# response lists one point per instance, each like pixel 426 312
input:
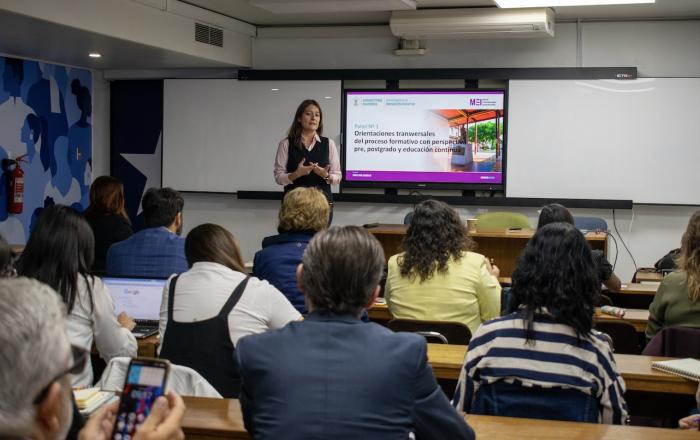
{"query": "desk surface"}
pixel 395 229
pixel 637 317
pixel 447 361
pixel 646 289
pixel 222 418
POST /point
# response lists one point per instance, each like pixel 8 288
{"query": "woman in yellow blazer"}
pixel 437 277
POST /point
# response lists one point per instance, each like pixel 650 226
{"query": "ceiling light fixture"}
pixel 274 90
pixel 559 3
pixel 95 55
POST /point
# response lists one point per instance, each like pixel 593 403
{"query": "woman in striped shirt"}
pixel 544 360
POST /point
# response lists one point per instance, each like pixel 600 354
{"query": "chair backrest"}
pixel 675 341
pixel 434 331
pixel 182 380
pixel 602 300
pixel 513 400
pixel 408 218
pixel 623 334
pixel 590 223
pixel 501 220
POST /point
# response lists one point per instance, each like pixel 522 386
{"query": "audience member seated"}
pixel 157 251
pixel 437 278
pixel 206 310
pixel 36 394
pixel 304 212
pixel 558 213
pixel 60 253
pixel 676 301
pixel 107 217
pixel 544 360
pixel 333 376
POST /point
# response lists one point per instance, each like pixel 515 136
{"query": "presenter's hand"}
pixel 323 172
pixel 303 170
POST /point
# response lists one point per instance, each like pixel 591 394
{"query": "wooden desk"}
pixel 644 289
pixel 222 418
pixel 207 418
pixel 447 361
pixel 149 347
pixel 637 317
pixel 498 428
pixel 643 276
pixel 634 295
pixel 503 246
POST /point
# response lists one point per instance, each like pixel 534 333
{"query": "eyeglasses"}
pixel 79 358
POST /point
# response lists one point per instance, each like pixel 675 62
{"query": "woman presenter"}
pixel 305 158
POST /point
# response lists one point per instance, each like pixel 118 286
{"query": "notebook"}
pixel 688 368
pixel 89 400
pixel 140 298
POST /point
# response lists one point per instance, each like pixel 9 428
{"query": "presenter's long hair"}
pixel 435 236
pixel 556 270
pixel 107 197
pixel 295 130
pixel 689 257
pixel 212 243
pixel 60 249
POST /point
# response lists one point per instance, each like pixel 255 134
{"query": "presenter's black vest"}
pixel 320 155
pixel 205 346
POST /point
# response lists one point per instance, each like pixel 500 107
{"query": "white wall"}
pixel 662 48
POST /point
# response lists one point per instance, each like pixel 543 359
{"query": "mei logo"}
pixel 477 101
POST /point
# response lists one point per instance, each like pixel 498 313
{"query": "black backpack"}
pixel 668 261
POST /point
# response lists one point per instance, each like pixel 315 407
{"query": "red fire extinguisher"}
pixel 16 196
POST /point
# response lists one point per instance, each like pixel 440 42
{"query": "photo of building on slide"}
pixel 477 137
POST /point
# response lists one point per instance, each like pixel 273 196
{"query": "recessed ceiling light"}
pixel 95 55
pixel 274 90
pixel 328 97
pixel 557 3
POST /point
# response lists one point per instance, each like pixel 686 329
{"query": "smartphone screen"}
pixel 145 381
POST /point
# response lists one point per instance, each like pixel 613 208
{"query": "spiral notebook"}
pixel 688 368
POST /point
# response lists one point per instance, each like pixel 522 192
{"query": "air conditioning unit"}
pixel 472 23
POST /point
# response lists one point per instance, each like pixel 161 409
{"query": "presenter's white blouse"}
pixel 281 173
pixel 98 323
pixel 202 291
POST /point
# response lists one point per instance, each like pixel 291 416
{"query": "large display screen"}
pixel 425 138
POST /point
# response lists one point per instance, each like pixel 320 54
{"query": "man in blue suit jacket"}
pixel 332 376
pixel 157 251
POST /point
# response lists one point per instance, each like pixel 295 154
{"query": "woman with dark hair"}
pixel 107 217
pixel 60 253
pixel 304 212
pixel 558 213
pixel 437 277
pixel 547 341
pixel 206 310
pixel 305 158
pixel 677 300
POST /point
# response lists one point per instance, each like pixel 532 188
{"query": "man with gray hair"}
pixel 333 376
pixel 35 362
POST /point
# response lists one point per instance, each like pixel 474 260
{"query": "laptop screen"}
pixel 139 298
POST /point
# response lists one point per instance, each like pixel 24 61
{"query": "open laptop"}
pixel 140 298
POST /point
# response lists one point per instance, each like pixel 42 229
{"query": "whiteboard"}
pixel 635 140
pixel 221 135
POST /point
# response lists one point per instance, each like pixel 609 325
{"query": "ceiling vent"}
pixel 472 23
pixel 208 35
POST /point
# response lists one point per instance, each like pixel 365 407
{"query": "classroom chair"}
pixel 514 400
pixel 590 223
pixel 623 334
pixel 677 341
pixel 500 220
pixel 182 380
pixel 434 331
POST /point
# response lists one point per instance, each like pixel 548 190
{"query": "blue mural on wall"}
pixel 45 113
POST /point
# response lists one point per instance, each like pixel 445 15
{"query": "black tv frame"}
pixel 393 185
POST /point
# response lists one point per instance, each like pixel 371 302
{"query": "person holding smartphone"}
pixel 305 158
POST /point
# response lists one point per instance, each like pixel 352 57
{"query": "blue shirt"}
pixel 152 252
